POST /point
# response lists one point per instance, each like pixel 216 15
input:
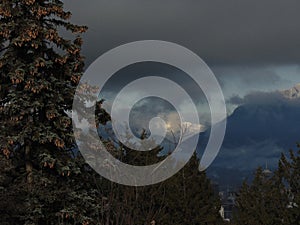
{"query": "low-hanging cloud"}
pixel 258 98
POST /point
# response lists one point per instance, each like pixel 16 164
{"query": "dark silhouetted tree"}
pixel 190 198
pixel 41 181
pixel 289 171
pixel 271 198
pixel 262 202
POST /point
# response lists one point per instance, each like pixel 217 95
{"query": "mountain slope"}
pixel 265 125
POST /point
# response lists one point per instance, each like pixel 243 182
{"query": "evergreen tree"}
pixel 37 81
pixel 264 201
pixel 190 199
pixel 272 199
pixel 41 181
pixel 289 170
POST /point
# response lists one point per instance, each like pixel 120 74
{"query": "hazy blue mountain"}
pixel 265 125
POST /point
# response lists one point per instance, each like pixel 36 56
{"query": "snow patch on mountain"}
pixel 292 93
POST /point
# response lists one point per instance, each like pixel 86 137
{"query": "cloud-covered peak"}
pixel 273 98
pixel 292 93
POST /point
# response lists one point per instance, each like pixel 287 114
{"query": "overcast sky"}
pixel 221 32
pixel 225 34
pixel 251 45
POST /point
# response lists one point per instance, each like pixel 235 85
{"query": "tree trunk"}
pixel 28 165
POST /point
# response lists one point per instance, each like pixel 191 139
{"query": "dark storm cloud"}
pixel 221 32
pixel 139 70
pixel 264 75
pixel 236 100
pixel 259 98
